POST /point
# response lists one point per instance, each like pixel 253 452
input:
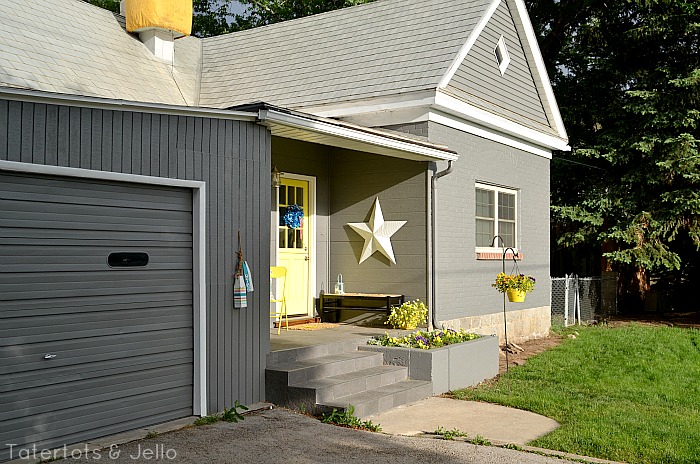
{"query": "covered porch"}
pixel 328 174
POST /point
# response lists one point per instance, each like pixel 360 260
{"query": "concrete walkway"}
pixel 499 424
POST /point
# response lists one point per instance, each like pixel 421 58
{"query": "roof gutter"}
pixel 433 228
pixel 348 135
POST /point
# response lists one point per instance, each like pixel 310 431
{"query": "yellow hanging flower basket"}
pixel 515 296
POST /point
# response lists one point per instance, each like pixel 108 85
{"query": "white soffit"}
pixel 345 135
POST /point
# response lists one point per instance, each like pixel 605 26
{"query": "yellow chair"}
pixel 279 272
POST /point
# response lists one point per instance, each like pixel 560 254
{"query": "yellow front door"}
pixel 294 250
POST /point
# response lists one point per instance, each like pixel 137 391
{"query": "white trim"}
pixel 37 96
pixel 468 45
pixel 522 19
pixel 451 121
pixel 373 104
pixel 451 104
pixel 498 189
pixel 502 55
pixel 385 144
pixel 312 239
pixel 199 399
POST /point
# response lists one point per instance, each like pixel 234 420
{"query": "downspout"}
pixel 433 230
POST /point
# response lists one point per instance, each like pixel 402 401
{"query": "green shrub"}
pixel 409 315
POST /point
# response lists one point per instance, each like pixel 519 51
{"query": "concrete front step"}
pixel 329 388
pixel 296 372
pixel 380 399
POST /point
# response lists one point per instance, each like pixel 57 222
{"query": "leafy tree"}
pixel 215 17
pixel 626 74
pixel 111 5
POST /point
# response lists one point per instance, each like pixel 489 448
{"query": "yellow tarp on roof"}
pixel 174 15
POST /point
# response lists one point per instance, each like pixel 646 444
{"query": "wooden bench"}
pixel 332 303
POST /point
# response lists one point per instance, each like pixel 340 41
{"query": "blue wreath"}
pixel 293 216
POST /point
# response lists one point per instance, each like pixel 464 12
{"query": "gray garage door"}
pixel 92 341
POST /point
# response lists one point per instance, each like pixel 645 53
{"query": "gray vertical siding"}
pixel 296 157
pixel 463 282
pixel 356 180
pixel 478 80
pixel 232 157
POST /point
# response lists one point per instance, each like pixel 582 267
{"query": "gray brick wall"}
pixel 464 283
pixel 356 180
pixel 418 129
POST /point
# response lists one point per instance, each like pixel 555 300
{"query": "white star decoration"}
pixel 377 233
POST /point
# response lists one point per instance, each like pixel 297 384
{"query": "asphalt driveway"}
pixel 281 436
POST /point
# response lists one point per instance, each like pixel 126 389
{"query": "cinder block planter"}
pixel 449 368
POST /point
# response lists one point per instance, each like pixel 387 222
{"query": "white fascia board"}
pixel 465 126
pixel 468 45
pixel 423 98
pixel 390 117
pixel 268 116
pixel 37 96
pixel 449 104
pixel 533 53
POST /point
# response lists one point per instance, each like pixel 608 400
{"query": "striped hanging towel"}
pixel 240 297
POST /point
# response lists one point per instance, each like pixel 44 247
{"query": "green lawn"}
pixel 629 393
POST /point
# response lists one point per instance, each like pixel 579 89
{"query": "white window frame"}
pixel 502 55
pixel 497 189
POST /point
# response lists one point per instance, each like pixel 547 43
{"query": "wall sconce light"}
pixel 276 177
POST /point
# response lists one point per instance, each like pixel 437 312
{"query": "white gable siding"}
pixel 479 82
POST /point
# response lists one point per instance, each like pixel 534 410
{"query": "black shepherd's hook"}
pixel 505 322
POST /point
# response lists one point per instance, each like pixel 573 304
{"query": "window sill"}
pixel 497 256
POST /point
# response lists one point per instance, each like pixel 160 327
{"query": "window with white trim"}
pixel 502 55
pixel 496 214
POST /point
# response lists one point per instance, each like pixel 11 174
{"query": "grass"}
pixel 630 393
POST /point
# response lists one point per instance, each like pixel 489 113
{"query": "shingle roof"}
pixel 72 47
pixel 381 48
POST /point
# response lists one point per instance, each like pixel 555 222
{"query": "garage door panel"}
pixel 96 328
pixel 47 306
pixel 33 287
pixel 86 192
pixel 68 213
pixel 72 373
pixel 97 415
pixel 129 238
pixel 77 351
pixel 87 259
pixel 123 337
pixel 15 405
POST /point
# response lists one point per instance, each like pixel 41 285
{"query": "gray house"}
pixel 129 162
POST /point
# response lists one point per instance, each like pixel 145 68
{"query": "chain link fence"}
pixel 579 300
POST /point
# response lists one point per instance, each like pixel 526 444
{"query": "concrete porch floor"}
pixel 300 338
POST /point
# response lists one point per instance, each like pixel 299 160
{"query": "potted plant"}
pixel 408 316
pixel 514 285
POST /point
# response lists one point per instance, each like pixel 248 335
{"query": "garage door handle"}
pixel 49 356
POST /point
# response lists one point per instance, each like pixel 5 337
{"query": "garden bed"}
pixel 450 367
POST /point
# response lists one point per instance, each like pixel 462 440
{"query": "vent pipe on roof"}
pixel 159 23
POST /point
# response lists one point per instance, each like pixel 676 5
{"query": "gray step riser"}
pixel 316 351
pixel 384 402
pixel 350 387
pixel 312 372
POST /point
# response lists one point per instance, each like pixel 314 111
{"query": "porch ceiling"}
pixel 309 128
